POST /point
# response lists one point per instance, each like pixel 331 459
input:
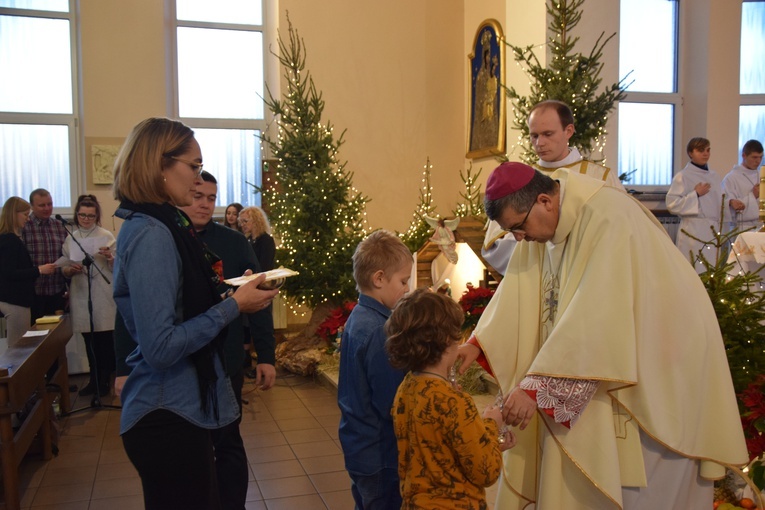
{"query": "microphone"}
pixel 62 219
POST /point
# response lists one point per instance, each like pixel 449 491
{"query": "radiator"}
pixel 671 224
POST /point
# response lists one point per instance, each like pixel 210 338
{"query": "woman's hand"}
pixel 72 270
pixel 251 299
pixel 47 268
pixel 107 253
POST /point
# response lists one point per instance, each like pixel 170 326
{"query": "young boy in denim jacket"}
pixel 382 265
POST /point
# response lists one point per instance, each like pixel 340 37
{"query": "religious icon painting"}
pixel 486 117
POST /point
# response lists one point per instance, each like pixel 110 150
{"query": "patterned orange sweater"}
pixel 447 453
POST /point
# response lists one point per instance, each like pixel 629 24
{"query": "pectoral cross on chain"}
pixel 551 301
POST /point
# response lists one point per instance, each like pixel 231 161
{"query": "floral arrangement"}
pixel 335 321
pixel 473 303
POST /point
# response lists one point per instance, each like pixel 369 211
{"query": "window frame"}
pixel 71 120
pixel 757 99
pixel 260 125
pixel 674 98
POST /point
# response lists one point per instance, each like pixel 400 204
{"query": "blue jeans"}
pixel 379 491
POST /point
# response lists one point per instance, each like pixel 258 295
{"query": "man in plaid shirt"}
pixel 44 238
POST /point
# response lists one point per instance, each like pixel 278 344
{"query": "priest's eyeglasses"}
pixel 195 167
pixel 519 227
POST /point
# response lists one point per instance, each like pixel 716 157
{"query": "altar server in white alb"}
pixel 742 187
pixel 696 196
pixel 619 402
pixel 551 126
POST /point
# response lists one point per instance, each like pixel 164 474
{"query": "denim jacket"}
pixel 365 391
pixel 147 291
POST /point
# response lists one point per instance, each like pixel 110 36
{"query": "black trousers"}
pixel 175 461
pixel 231 458
pixel 100 349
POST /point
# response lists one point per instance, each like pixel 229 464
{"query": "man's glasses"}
pixel 84 216
pixel 195 167
pixel 519 228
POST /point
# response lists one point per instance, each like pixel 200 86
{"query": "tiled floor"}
pixel 290 433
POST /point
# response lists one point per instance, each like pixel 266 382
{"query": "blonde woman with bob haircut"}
pixel 165 291
pixel 260 328
pixel 257 230
pixel 17 272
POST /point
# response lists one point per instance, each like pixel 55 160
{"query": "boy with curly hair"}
pixel 448 454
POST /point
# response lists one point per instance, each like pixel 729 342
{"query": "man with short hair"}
pixel 44 238
pixel 551 126
pixel 237 256
pixel 742 185
pixel 618 403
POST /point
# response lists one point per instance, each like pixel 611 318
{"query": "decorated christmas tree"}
pixel 419 231
pixel 315 210
pixel 738 298
pixel 571 77
pixel 739 303
pixel 471 204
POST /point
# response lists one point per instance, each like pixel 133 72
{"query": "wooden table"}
pixel 23 368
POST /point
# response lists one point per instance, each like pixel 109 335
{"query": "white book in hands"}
pixel 275 278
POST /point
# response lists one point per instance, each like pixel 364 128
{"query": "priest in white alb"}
pixel 551 126
pixel 608 353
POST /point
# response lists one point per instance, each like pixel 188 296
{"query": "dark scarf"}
pixel 199 289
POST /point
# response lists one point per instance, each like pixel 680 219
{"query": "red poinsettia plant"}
pixel 335 320
pixel 752 405
pixel 753 416
pixel 473 303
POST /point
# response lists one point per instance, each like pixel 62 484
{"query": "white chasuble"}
pixel 622 287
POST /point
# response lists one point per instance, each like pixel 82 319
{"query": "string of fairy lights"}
pixel 425 206
pixel 306 154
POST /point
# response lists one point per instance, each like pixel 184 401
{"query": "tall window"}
pixel 752 79
pixel 38 104
pixel 220 89
pixel 648 115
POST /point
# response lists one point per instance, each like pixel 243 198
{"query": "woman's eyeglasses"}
pixel 84 216
pixel 195 167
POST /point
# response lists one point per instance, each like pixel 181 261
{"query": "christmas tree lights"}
pixel 419 231
pixel 472 204
pixel 315 210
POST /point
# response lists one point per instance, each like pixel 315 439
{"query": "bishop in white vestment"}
pixel 621 402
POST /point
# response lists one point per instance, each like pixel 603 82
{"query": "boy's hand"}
pixel 510 440
pixel 495 413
